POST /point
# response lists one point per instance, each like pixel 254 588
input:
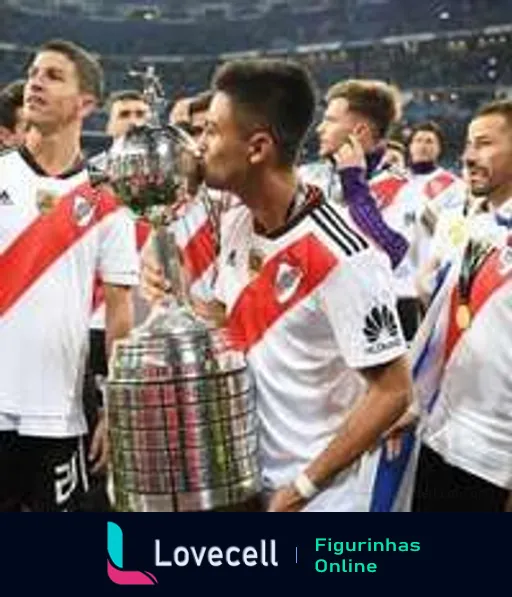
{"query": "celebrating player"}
pixel 56 232
pixel 307 295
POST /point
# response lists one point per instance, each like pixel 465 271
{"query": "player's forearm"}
pixel 119 318
pixel 372 416
pixel 366 214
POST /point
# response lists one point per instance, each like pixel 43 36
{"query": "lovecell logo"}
pixel 116 573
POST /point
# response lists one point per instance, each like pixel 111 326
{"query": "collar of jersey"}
pixel 374 161
pixel 313 198
pixel 423 168
pixel 32 163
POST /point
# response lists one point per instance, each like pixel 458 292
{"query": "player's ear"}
pixel 88 104
pixel 361 129
pixel 260 146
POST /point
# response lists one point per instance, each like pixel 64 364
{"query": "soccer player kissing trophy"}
pixel 179 397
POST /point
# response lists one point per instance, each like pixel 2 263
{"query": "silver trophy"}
pixel 179 396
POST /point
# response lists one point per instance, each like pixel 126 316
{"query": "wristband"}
pixel 305 487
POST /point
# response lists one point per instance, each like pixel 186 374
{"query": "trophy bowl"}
pixel 183 424
pixel 147 166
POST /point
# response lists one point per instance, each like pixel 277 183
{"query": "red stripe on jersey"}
pixel 487 282
pixel 199 252
pixel 259 306
pixel 46 239
pixel 142 232
pixel 438 184
pixel 386 190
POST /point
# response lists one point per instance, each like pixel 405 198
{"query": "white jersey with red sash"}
pixel 55 234
pixel 468 368
pixel 404 200
pixel 197 232
pixel 320 307
pixel 470 420
pixel 441 192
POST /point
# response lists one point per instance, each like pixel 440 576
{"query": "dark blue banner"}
pixel 238 554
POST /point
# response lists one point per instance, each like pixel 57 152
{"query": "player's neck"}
pixel 271 202
pixel 55 153
pixel 500 195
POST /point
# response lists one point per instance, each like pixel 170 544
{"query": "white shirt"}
pixel 439 192
pixel 470 425
pixel 195 235
pixel 325 176
pixel 44 332
pixel 455 227
pixel 321 308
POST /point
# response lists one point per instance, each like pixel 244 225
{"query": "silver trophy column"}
pixel 179 397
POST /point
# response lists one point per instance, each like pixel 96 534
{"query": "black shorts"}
pixel 441 487
pixel 409 312
pixel 96 367
pixel 41 474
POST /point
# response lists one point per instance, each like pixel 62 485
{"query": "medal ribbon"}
pixel 487 278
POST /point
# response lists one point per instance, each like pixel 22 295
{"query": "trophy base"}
pixel 244 497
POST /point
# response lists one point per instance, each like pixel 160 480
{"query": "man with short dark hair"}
pixel 198 109
pixel 414 209
pixel 56 233
pixel 463 379
pixel 88 69
pixel 196 227
pixel 12 121
pixel 426 144
pixel 306 295
pixel 126 108
pixel 440 189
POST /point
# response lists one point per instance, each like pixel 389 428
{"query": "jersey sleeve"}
pixel 366 214
pixel 118 261
pixel 360 304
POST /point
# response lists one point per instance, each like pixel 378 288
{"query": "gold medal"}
pixel 463 317
pixel 457 232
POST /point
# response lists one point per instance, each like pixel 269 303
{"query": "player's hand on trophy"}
pixel 350 154
pixel 213 311
pixel 286 499
pixel 153 285
pixel 99 449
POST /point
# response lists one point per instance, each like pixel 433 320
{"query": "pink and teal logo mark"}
pixel 115 569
